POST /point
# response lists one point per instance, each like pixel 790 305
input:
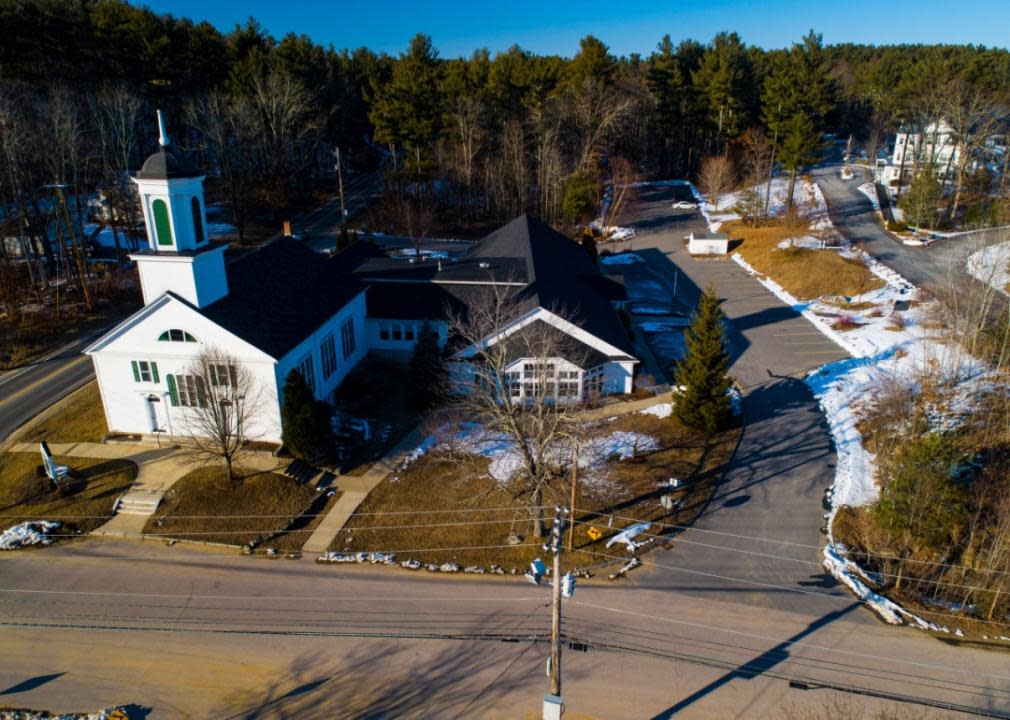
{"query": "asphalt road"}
pixel 735 621
pixel 27 391
pixel 853 214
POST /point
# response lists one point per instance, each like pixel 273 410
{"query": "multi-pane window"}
pixel 144 371
pixel 186 390
pixel 329 356
pixel 176 335
pixel 347 337
pixel 408 333
pixel 305 369
pixel 384 331
pixel 223 375
pixel 397 331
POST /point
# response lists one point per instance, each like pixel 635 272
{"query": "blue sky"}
pixel 628 26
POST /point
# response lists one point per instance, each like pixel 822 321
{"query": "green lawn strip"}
pixel 26 493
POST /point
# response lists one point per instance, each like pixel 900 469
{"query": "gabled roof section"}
pixel 281 293
pixel 131 322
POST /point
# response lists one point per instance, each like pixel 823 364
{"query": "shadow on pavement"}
pixel 31 683
pixel 757 666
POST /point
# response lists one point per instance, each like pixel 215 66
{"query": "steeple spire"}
pixel 162 134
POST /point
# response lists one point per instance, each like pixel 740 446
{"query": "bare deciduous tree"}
pixel 217 420
pixel 623 177
pixel 527 404
pixel 716 177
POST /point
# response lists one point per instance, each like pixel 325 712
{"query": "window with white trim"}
pixel 347 337
pixel 328 351
pixel 384 331
pixel 305 369
pixel 176 335
pixel 408 332
pixel 222 375
pixel 397 331
pixel 145 371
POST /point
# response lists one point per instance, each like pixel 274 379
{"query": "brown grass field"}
pixel 448 509
pixel 77 418
pixel 204 506
pixel 807 274
pixel 27 495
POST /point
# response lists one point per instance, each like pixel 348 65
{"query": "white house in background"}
pixel 287 307
pixel 708 244
pixel 935 146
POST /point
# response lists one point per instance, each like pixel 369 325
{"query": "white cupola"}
pixel 179 257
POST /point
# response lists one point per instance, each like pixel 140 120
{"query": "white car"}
pixel 683 205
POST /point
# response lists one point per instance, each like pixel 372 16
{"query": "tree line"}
pixel 481 138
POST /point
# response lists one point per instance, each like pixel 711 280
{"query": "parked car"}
pixel 684 205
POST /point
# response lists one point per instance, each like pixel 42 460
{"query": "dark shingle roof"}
pixel 281 293
pixel 163 165
pixel 550 270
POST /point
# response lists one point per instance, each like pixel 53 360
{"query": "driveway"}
pixel 854 216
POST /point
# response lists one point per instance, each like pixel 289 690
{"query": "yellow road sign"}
pixel 594 533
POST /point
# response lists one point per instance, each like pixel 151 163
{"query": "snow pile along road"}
pixel 807 199
pixel 35 532
pixel 991 265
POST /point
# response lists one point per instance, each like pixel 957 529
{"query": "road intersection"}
pixel 736 620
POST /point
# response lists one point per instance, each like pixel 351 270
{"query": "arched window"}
pixel 176 335
pixel 197 220
pixel 162 227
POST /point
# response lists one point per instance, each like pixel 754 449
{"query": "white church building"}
pixel 285 306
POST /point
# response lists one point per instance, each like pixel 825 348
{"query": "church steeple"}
pixel 171 195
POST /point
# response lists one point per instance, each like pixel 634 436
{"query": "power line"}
pixel 786 588
pixel 679 539
pixel 767 638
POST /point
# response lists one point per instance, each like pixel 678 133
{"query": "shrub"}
pixel 845 322
pixel 897 226
pixel 306 421
pixel 580 197
pixel 427 372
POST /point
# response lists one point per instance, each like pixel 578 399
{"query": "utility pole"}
pixel 340 183
pixel 575 485
pixel 553 705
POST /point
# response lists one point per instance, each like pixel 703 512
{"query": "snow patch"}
pixel 662 410
pixel 34 532
pixel 991 265
pixel 870 190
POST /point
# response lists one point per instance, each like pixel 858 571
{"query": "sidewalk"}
pixel 355 489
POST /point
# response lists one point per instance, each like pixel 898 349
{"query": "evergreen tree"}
pixel 306 421
pixel 589 245
pixel 343 239
pixel 921 201
pixel 726 81
pixel 798 93
pixel 701 401
pixel 427 372
pixel 408 108
pixel 580 197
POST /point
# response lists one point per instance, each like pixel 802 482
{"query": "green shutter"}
pixel 154 372
pixel 162 226
pixel 173 394
pixel 136 371
pixel 201 393
pixel 213 375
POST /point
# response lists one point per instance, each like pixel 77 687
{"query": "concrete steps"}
pixel 139 503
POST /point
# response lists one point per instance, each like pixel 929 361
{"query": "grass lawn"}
pixel 805 273
pixel 79 417
pixel 442 501
pixel 203 505
pixel 24 495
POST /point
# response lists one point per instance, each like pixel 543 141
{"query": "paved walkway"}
pixel 355 489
